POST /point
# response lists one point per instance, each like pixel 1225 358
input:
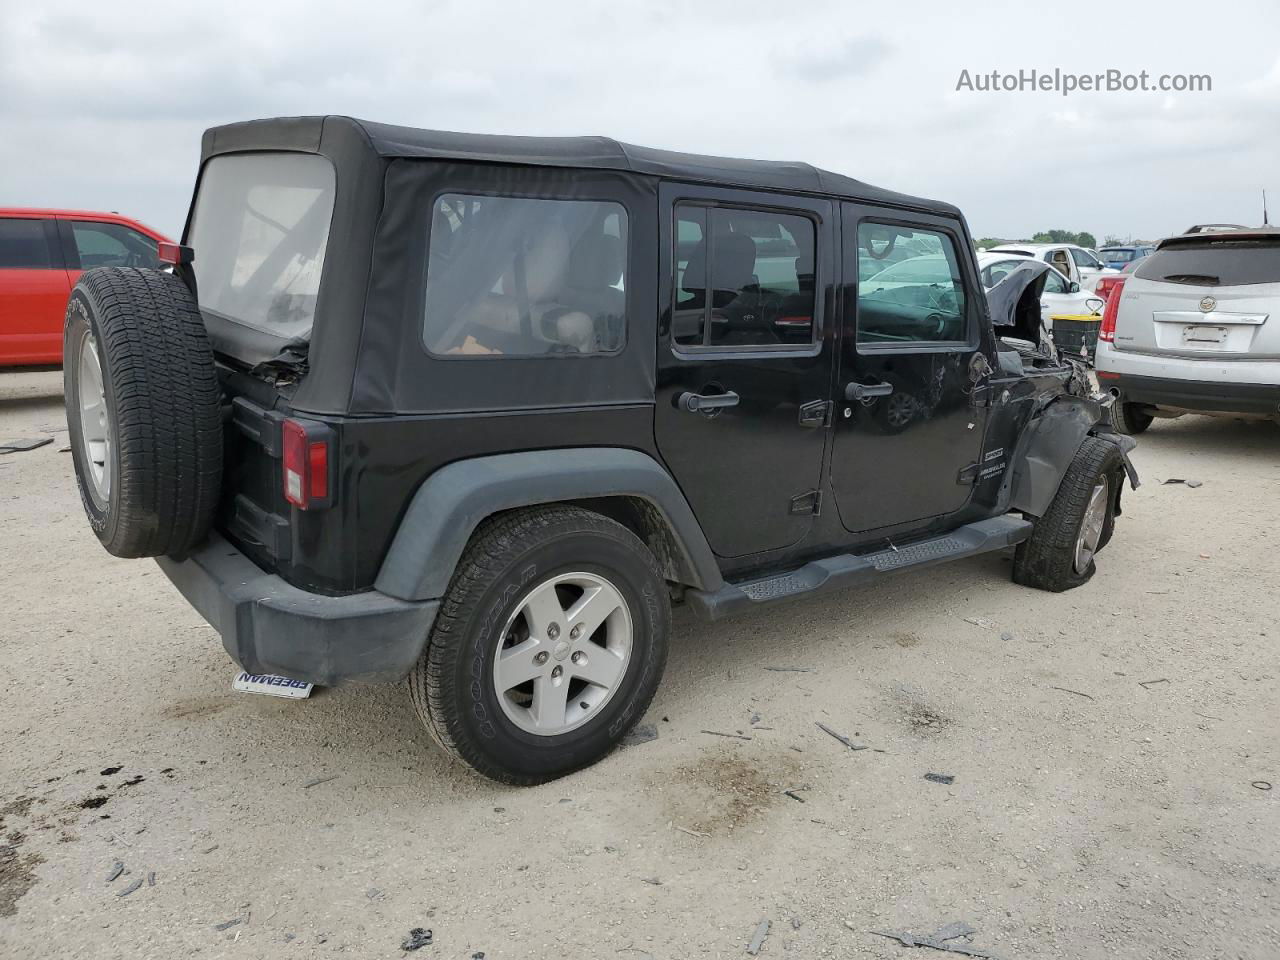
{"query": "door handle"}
pixel 860 391
pixel 699 402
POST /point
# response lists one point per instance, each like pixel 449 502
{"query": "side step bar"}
pixel 843 570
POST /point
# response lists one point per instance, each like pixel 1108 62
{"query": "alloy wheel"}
pixel 563 653
pixel 1095 517
pixel 95 422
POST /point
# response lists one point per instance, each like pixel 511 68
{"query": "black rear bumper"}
pixel 270 626
pixel 1208 395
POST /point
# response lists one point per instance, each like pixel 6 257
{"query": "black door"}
pixel 906 434
pixel 743 363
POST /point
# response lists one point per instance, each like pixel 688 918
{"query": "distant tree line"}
pixel 1082 239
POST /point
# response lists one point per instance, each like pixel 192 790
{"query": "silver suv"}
pixel 1196 329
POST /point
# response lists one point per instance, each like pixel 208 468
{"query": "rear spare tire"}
pixel 143 408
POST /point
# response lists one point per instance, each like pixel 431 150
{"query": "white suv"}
pixel 1195 329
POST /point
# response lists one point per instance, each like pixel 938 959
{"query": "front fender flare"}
pixel 454 500
pixel 1049 445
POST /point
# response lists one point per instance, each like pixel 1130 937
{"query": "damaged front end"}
pixel 1060 418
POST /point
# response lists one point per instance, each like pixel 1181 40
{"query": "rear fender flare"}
pixel 454 500
pixel 1048 446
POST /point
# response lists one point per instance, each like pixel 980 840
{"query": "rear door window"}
pixel 259 232
pixel 23 244
pixel 524 277
pixel 1223 263
pixel 744 278
pixel 112 245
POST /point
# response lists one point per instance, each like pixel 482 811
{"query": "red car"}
pixel 42 252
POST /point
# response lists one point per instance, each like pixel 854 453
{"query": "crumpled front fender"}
pixel 1050 444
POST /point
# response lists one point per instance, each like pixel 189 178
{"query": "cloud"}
pixel 853 57
pixel 103 106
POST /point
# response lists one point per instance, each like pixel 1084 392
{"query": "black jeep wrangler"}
pixel 476 410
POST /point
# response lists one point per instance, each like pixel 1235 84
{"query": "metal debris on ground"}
pixel 1261 784
pixel 795 923
pixel 944 778
pixel 794 795
pixel 791 669
pixel 23 445
pixel 940 939
pixel 1076 692
pixel 317 781
pixel 1150 683
pixel 983 622
pixel 151 879
pixel 641 733
pixel 692 833
pixel 735 736
pixel 839 736
pixel 757 941
pixel 227 924
pixel 1188 483
pixel 418 938
pixel 131 888
pixel 652 881
pixel 116 869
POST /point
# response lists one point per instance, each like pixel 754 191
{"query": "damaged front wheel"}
pixel 1061 551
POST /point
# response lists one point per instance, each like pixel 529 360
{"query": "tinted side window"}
pixel 918 299
pixel 112 245
pixel 744 278
pixel 520 277
pixel 1224 263
pixel 23 244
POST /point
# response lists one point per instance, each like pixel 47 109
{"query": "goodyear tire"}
pixel 143 409
pixel 527 676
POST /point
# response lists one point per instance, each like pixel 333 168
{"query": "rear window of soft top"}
pixel 259 232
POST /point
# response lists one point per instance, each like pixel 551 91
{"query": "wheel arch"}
pixel 1051 442
pixel 626 485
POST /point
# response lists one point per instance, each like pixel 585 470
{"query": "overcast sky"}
pixel 102 105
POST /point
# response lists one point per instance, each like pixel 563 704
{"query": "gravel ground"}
pixel 1104 744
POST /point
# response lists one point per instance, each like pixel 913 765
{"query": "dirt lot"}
pixel 1105 745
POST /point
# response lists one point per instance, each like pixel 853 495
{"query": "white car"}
pixel 1060 295
pixel 1195 329
pixel 1075 263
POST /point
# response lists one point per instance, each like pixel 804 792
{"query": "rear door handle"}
pixel 698 402
pixel 859 391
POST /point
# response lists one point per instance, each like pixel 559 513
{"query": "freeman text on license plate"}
pixel 271 686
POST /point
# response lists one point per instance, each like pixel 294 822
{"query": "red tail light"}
pixel 1107 329
pixel 173 253
pixel 306 464
pixel 1107 285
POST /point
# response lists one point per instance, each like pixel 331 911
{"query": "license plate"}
pixel 1204 334
pixel 271 686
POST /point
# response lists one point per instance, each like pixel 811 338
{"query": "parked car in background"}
pixel 1195 329
pixel 42 253
pixel 1117 258
pixel 1073 262
pixel 1060 295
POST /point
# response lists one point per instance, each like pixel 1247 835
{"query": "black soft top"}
pixel 387 140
